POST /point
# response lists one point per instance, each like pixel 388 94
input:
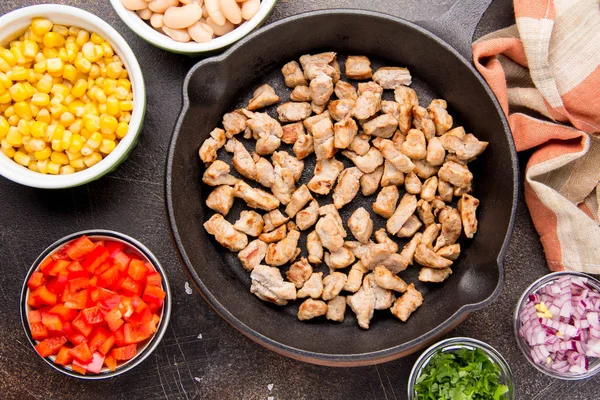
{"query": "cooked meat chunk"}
pixel 253 254
pixel 274 235
pixel 330 209
pixel 313 287
pixel 283 184
pixel 425 213
pixel 422 122
pixel 344 132
pixel 440 117
pixel 435 152
pixel 430 234
pixel 339 259
pixel 369 183
pixel 303 146
pixel 401 112
pixel 308 217
pixel 310 309
pixel 250 222
pixel 391 175
pixel 310 122
pixel 406 208
pixel 407 96
pixel 382 126
pixel 299 272
pixel 347 187
pixel 393 155
pixel 367 105
pixel 321 89
pixel 293 75
pixel 392 77
pixel 221 199
pixel 358 249
pixel 268 285
pixel 318 109
pixel 361 225
pixel 208 150
pixel 428 258
pixel 450 252
pixel 234 123
pixel 367 163
pixel 326 173
pixel 360 144
pixel 267 132
pixel 286 160
pixel 255 198
pixel 218 174
pixel 386 201
pixel 456 174
pixel 362 304
pixel 358 67
pixel 336 308
pixel 340 109
pixel 345 90
pixel 382 238
pixel 409 249
pixel 466 147
pixel 333 285
pixel 293 111
pixel 425 170
pixel 467 205
pixel 435 275
pixel 323 137
pixel 314 248
pixel 355 277
pixel 383 297
pixel 242 160
pixel 301 93
pixel 429 189
pixel 291 132
pixel 316 64
pixel 273 219
pixel 265 174
pixel 451 227
pixel 445 191
pixel 225 233
pixel 458 191
pixel 299 199
pixel 405 305
pixel 412 183
pixel 385 279
pixel 262 97
pixel 410 227
pixel 283 251
pixel 329 233
pixel 369 86
pixel 415 146
pixel 438 205
pixel 382 254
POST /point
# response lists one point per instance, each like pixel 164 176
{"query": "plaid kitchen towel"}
pixel 545 72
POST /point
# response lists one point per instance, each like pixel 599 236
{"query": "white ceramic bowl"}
pixel 149 34
pixel 13 25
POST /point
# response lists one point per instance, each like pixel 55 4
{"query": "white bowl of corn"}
pixel 72 97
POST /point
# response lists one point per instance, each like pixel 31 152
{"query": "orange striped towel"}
pixel 545 71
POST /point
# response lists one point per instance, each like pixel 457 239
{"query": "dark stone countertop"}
pixel 223 364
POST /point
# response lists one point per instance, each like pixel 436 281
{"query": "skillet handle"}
pixel 457 25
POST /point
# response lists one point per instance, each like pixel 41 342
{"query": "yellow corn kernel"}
pixel 5 145
pixel 43 165
pixel 57 110
pixel 122 130
pixel 20 57
pixel 49 53
pixel 39 57
pixel 43 154
pixel 77 142
pixel 91 109
pixel 53 39
pixel 22 110
pixel 108 124
pixel 113 70
pixel 41 26
pixel 86 150
pixel 121 93
pixel 70 72
pixel 67 119
pixel 55 66
pixel 22 158
pixel 25 148
pixel 78 163
pixel 73 156
pixel 18 73
pixel 76 126
pixel 79 88
pixel 83 65
pixel 4 67
pixel 30 49
pixel 107 146
pixel 33 166
pixel 34 110
pixel 67 169
pixel 92 52
pixel 43 116
pixel 60 89
pixel 9 152
pixel 18 92
pixel 37 144
pixel 107 48
pixel 92 159
pixel 40 67
pixel 125 117
pixel 100 82
pixel 5 80
pixel 61 29
pixel 72 50
pixel 102 108
pixel 59 158
pixel 94 71
pixel 69 99
pixel 109 86
pixel 40 99
pixel 5 98
pixel 99 95
pixel 112 136
pixel 95 140
pixel 91 123
pixel 82 37
pixel 112 105
pixel 53 168
pixel 65 141
pixel 13 120
pixel 9 57
pixel 124 74
pixel 2 89
pixel 14 137
pixel 97 39
pixel 4 127
pixel 73 31
pixel 45 84
pixel 126 105
pixel 24 127
pixel 124 83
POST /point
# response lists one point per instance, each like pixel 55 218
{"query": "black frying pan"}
pixel 219 84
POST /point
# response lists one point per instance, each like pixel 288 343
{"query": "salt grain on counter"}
pixel 199 336
pixel 188 289
pixel 270 386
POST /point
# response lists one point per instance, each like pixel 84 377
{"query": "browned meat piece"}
pixel 345 90
pixel 425 170
pixel 451 227
pixel 301 93
pixel 430 234
pixel 326 173
pixel 234 123
pixel 329 233
pixel 428 258
pixel 407 304
pixel 291 132
pixel 415 145
pixel 401 112
pixel 362 304
pixel 303 146
pixel 467 205
pixel 330 209
pixel 253 254
pixel 339 259
pixel 385 279
pixel 392 77
pixel 313 287
pixel 336 308
pixel 344 133
pixel 383 297
pixel 367 105
pixel 391 175
pixel 265 174
pixel 283 251
pixel 268 285
pixel 435 275
pixel 409 249
pixel 299 199
pixel 308 217
pixel 450 252
pixel 208 150
pixel 425 213
pixel 440 117
pixel 221 199
pixel 316 64
pixel 310 122
pixel 382 126
pixel 284 184
pixel 369 183
pixel 273 219
pixel 429 189
pixel 314 248
pixel 274 235
pixel 340 109
pixel 445 190
pixel 406 208
pixel 255 198
pixel 311 309
pixel 286 160
pixel 262 97
pixel 267 132
pixel 242 160
pixel 360 144
pixel 393 155
pixel 435 152
pixel 422 122
pixel 347 186
pixel 456 174
pixel 358 67
pixel 321 89
pixel 299 272
pixel 293 75
pixel 355 277
pixel 412 183
pixel 218 174
pixel 361 225
pixel 225 233
pixel 466 147
pixel 386 201
pixel 250 222
pixel 367 163
pixel 293 111
pixel 323 137
pixel 318 109
pixel 410 227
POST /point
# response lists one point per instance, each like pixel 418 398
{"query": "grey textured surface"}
pixel 221 363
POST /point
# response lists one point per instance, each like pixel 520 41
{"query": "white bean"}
pixel 214 12
pixel 156 20
pixel 160 6
pixel 231 11
pixel 182 17
pixel 144 14
pixel 134 5
pixel 204 12
pixel 220 30
pixel 179 35
pixel 250 8
pixel 199 33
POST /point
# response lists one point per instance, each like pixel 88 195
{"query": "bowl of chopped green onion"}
pixel 461 368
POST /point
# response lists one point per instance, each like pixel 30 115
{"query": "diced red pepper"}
pixel 142 317
pixel 108 299
pixel 67 329
pixel 98 336
pixel 125 352
pixel 76 338
pixel 57 267
pixel 113 319
pixel 114 247
pixel 63 357
pixel 153 294
pixel 81 353
pixel 34 316
pixel 82 326
pixel 109 277
pixel 92 315
pixel 57 284
pixel 154 279
pixel 38 331
pixel 65 313
pixel 111 363
pixel 76 271
pixel 44 263
pixel 79 367
pixel 61 254
pixel 119 336
pixel 93 259
pixel 138 304
pixel 77 300
pixel 36 280
pixel 95 366
pixel 77 284
pixel 94 281
pixel 52 321
pixel 134 333
pixel 107 345
pixel 102 268
pixel 50 346
pixel 80 248
pixel 132 287
pixel 43 296
pixel 137 270
pixel 122 260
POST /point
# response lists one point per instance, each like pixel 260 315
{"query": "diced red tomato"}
pixel 80 325
pixel 92 315
pixel 137 270
pixel 81 352
pixel 80 248
pixel 50 346
pixel 65 313
pixel 63 357
pixel 125 352
pixel 96 364
pixel 114 248
pixel 36 280
pixel 122 261
pixel 38 331
pixel 111 363
pixel 77 300
pixel 154 279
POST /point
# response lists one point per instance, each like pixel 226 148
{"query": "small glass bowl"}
pixel 453 344
pixel 144 348
pixel 594 363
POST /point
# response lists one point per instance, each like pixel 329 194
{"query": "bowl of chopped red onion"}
pixel 557 325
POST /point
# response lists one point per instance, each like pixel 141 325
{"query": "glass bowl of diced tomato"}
pixel 95 304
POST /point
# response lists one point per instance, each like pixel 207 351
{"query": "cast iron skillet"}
pixel 222 83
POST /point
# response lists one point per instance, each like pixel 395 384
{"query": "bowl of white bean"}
pixel 192 26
